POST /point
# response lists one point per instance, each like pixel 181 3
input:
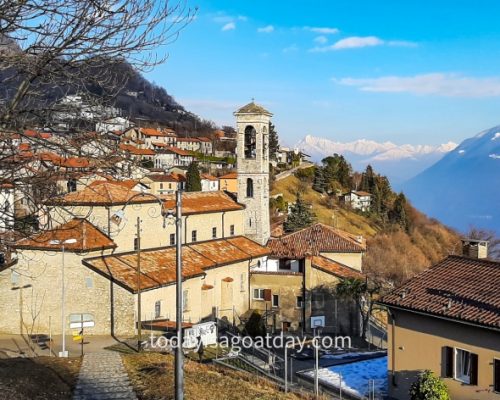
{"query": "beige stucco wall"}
pixel 417 344
pixel 223 296
pixel 153 233
pixel 230 185
pixel 288 287
pixel 30 309
pixel 353 260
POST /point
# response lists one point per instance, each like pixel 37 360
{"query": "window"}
pixel 193 236
pixel 14 278
pixel 185 302
pixel 75 321
pixel 496 375
pixel 465 367
pixel 299 303
pixel 276 300
pixel 250 142
pixel 170 186
pixel 158 309
pixel 172 239
pixel 161 185
pixel 285 264
pixel 89 283
pixel 136 243
pixel 258 294
pixel 214 233
pixel 231 230
pixel 249 187
pixel 242 282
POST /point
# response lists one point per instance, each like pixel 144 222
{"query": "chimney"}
pixel 475 248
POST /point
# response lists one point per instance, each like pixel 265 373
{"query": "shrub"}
pixel 429 387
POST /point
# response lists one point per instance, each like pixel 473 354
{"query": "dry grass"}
pixel 42 378
pixel 152 375
pixel 345 219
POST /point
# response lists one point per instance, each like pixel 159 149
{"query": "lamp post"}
pixel 63 352
pixel 117 218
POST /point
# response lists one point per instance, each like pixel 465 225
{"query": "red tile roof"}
pixel 88 238
pixel 314 240
pixel 158 265
pixel 231 175
pixel 178 151
pixel 335 268
pixel 136 151
pixel 208 177
pixel 458 288
pixel 167 177
pixel 204 139
pixel 203 202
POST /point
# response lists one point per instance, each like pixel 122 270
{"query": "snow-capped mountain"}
pixel 463 188
pixel 398 162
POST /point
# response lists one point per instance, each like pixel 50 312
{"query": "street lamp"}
pixel 62 243
pixel 117 217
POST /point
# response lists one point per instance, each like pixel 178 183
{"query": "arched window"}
pixel 250 142
pixel 249 187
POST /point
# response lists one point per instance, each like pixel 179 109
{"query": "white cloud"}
pixel 356 42
pixel 321 39
pixel 242 18
pixel 439 84
pixel 495 156
pixel 291 49
pixel 322 31
pixel 266 29
pixel 229 27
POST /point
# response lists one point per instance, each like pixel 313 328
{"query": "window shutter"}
pixel 496 373
pixel 448 355
pixel 267 294
pixel 473 368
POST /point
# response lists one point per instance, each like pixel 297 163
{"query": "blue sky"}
pixel 420 72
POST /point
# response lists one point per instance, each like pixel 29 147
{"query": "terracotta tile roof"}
pixel 158 265
pixel 137 151
pixel 128 183
pixel 335 268
pixel 6 185
pixel 162 178
pixel 204 139
pixel 87 236
pixel 159 144
pixel 361 193
pixel 459 288
pixel 313 241
pixel 203 202
pixel 231 175
pixel 105 193
pixel 178 151
pixel 208 177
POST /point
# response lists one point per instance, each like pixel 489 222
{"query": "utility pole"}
pixel 139 319
pixel 179 356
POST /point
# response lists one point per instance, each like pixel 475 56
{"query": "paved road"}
pixel 103 377
pixel 286 174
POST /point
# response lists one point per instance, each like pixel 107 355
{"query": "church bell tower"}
pixel 252 152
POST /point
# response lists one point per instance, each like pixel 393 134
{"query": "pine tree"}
pixel 368 180
pixel 193 180
pixel 319 183
pixel 300 216
pixel 273 141
pixel 398 213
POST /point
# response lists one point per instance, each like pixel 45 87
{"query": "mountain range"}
pixel 463 188
pixel 398 162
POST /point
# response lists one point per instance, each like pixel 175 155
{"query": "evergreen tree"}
pixel 193 179
pixel 368 180
pixel 273 141
pixel 319 183
pixel 300 216
pixel 344 172
pixel 398 213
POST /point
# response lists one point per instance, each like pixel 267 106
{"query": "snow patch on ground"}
pixel 356 378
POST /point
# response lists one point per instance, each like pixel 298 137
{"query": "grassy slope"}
pixel 395 254
pixel 43 378
pixel 346 220
pixel 152 375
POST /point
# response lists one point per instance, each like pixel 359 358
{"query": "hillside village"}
pixel 147 253
pixel 287 259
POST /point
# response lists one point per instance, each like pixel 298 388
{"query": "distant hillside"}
pixel 398 162
pixel 463 188
pixel 392 253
